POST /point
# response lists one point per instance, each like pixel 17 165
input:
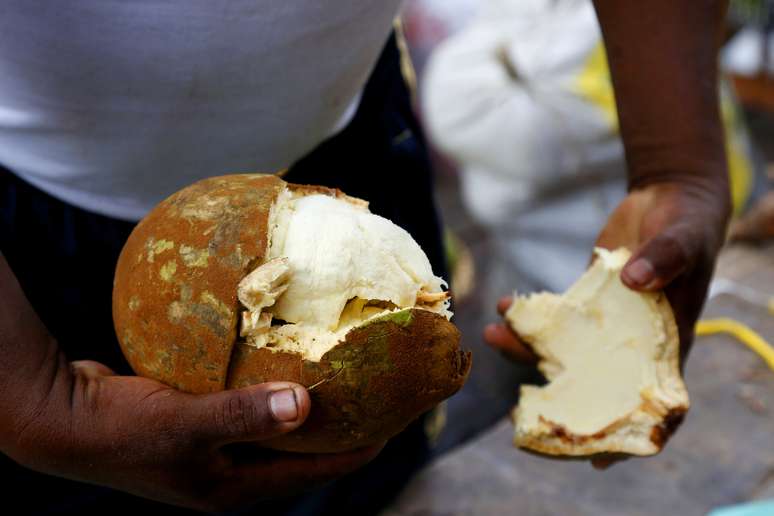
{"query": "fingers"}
pixel 90 369
pixel 254 413
pixel 504 304
pixel 657 263
pixel 606 460
pixel 502 338
pixel 260 474
pixel 602 464
pixel 290 472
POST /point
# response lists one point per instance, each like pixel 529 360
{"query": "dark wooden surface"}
pixel 723 454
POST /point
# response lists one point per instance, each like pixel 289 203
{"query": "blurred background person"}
pixel 522 101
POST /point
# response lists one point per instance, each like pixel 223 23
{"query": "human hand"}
pixel 143 437
pixel 675 231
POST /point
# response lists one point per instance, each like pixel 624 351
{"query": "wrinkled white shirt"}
pixel 112 105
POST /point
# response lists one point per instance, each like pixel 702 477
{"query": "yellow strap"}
pixel 741 332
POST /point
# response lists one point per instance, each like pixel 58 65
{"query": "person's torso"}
pixel 113 104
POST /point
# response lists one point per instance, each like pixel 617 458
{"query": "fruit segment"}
pixel 610 355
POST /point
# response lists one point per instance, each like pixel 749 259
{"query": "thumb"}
pixel 90 369
pixel 254 413
pixel 659 261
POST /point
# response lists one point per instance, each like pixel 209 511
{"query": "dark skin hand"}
pixel 662 57
pixel 80 421
pixel 670 227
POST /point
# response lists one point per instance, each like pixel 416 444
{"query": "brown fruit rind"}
pixel 370 387
pixel 176 314
pixel 175 305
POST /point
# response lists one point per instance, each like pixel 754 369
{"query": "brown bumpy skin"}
pixel 368 388
pixel 175 305
pixel 176 315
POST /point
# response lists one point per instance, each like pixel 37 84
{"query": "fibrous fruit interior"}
pixel 611 356
pixel 332 265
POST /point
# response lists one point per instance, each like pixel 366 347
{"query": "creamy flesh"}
pixel 333 265
pixel 610 360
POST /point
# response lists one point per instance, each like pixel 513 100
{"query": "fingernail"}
pixel 283 405
pixel 641 272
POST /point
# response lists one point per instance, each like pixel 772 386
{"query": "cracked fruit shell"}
pixel 244 279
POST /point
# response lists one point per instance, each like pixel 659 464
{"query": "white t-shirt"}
pixel 112 105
